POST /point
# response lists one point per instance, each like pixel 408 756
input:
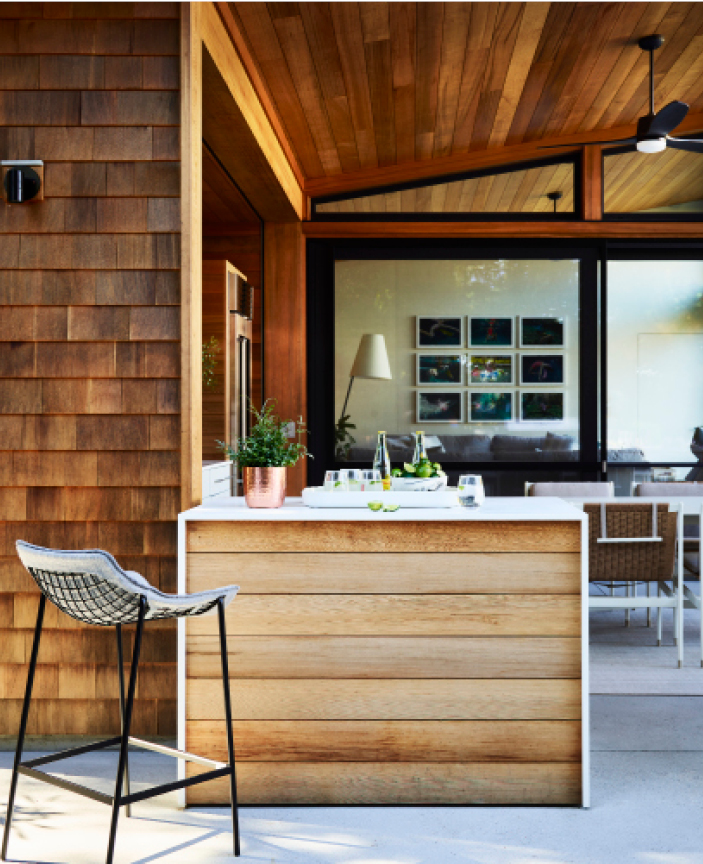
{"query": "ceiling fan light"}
pixel 651 145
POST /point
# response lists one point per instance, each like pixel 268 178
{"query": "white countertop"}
pixel 494 510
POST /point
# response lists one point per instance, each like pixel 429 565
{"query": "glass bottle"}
pixel 420 453
pixel 381 460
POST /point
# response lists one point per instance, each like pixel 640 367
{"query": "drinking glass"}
pixel 354 479
pixel 471 493
pixel 336 481
pixel 371 480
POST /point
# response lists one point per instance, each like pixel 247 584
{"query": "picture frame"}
pixel 434 331
pixel 542 406
pixel 440 370
pixel 542 331
pixel 491 406
pixel 491 332
pixel 440 407
pixel 541 370
pixel 491 370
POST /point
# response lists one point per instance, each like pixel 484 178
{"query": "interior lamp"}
pixel 371 361
pixel 651 145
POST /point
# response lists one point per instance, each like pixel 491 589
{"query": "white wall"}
pixel 655 357
pixel 386 296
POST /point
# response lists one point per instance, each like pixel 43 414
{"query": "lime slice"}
pixel 375 506
pixel 391 508
pixel 409 468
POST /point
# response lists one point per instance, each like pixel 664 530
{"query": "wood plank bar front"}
pixel 415 661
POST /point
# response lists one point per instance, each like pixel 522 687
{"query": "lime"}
pixel 441 473
pixel 391 508
pixel 424 471
pixel 375 506
pixel 436 466
pixel 396 472
pixel 409 468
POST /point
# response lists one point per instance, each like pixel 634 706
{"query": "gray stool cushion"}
pixel 90 585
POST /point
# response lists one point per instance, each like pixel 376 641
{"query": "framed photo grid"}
pixel 497 385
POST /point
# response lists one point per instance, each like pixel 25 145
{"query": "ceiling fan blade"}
pixel 692 145
pixel 617 141
pixel 667 119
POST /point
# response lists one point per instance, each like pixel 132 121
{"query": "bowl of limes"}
pixel 422 476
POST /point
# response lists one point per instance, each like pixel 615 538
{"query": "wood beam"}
pixel 428 168
pixel 241 44
pixel 239 131
pixel 679 230
pixel 592 182
pixel 191 255
pixel 285 361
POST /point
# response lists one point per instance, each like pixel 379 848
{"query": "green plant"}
pixel 210 350
pixel 343 439
pixel 267 445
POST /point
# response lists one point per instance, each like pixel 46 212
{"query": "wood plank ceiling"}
pixel 360 86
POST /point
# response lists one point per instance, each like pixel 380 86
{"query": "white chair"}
pixel 638 542
pixel 90 585
pixel 692 537
pixel 570 490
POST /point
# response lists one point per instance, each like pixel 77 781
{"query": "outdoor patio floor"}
pixel 647 803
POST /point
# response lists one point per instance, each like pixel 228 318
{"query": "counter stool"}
pixel 91 587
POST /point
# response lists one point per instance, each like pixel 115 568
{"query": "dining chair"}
pixel 638 542
pixel 692 538
pixel 90 586
pixel 570 490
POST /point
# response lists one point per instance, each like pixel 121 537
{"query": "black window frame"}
pixel 573 159
pixel 321 257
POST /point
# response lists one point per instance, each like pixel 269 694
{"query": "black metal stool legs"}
pixel 228 721
pixel 120 663
pixel 23 724
pixel 126 722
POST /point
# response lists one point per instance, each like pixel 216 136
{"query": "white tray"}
pixel 315 496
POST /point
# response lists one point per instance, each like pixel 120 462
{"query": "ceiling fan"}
pixel 653 129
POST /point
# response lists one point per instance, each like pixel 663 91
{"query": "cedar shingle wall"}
pixel 89 322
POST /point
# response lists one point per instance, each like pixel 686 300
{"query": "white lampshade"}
pixel 371 359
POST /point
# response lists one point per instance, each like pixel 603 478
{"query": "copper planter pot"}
pixel 264 487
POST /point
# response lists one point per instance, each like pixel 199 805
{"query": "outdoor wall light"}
pixel 22 180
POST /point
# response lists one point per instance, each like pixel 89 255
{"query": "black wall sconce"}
pixel 22 181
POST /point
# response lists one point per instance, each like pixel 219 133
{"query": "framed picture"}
pixel 541 369
pixel 487 407
pixel 439 332
pixel 437 407
pixel 541 407
pixel 440 369
pixel 491 332
pixel 541 332
pixel 492 369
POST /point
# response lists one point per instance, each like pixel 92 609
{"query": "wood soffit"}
pixel 369 94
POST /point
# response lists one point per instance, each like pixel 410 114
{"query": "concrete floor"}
pixel 647 790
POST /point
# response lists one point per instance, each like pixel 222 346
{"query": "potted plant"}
pixel 264 455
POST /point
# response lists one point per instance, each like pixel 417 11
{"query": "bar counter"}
pixel 434 656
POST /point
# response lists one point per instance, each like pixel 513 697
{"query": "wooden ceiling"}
pixel 224 206
pixel 634 183
pixel 362 87
pixel 511 192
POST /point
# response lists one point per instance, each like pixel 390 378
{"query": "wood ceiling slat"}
pixel 685 72
pixel 483 19
pixel 380 74
pixel 430 18
pixel 347 28
pixel 601 26
pixel 375 21
pixel 403 34
pixel 533 19
pixel 502 46
pixel 294 44
pixel 500 181
pixel 439 197
pixel 258 26
pixel 555 26
pixel 457 18
pixel 319 30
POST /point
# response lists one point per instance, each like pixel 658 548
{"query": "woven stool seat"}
pixel 90 585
